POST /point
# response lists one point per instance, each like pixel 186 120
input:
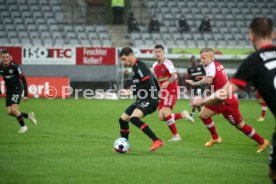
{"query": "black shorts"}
pixel 272 156
pixel 13 97
pixel 146 106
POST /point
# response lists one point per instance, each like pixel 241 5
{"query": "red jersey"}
pixel 217 71
pixel 163 72
pixel 219 74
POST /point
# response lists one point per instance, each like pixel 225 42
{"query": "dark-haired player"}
pixel 259 68
pixel 146 91
pixel 15 83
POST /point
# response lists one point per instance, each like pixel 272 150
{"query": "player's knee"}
pixel 161 117
pixel 203 116
pixel 12 112
pixel 240 125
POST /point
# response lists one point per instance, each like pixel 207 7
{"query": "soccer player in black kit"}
pixel 258 68
pixel 15 82
pixel 196 72
pixel 146 91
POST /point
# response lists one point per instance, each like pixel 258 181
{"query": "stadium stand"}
pixel 41 23
pixel 229 21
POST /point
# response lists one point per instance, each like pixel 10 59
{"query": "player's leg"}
pixel 264 108
pixel 272 159
pixel 233 115
pixel 13 110
pixel 205 115
pixel 124 121
pixel 142 110
pixel 165 114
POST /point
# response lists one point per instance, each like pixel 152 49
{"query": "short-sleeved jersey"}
pixel 163 72
pixel 218 73
pixel 143 80
pixel 195 71
pixel 11 75
pixel 260 68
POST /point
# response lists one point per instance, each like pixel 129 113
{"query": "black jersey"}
pixel 260 69
pixel 12 76
pixel 144 80
pixel 196 71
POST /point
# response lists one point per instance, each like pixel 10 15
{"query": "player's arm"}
pixel 24 83
pixel 25 86
pixel 216 98
pixel 204 80
pixel 172 70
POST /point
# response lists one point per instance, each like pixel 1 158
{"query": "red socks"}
pixel 264 108
pixel 211 127
pixel 171 124
pixel 251 132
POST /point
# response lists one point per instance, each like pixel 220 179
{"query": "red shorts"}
pixel 168 101
pixel 229 109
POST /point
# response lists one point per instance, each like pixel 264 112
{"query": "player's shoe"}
pixel 187 116
pixel 32 118
pixel 262 147
pixel 156 144
pixel 212 141
pixel 260 119
pixel 23 129
pixel 175 138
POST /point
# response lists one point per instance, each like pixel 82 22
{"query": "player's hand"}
pixel 196 101
pixel 198 77
pixel 25 99
pixel 191 82
pixel 165 85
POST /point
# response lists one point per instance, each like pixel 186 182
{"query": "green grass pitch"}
pixel 74 139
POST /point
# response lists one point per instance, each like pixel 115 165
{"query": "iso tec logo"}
pixel 49 56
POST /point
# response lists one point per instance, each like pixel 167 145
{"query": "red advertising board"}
pixel 45 87
pixel 15 53
pixel 95 56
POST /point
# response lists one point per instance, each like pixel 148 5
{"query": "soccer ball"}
pixel 121 145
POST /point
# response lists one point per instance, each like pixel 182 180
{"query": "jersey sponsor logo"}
pixel 8 76
pixel 11 71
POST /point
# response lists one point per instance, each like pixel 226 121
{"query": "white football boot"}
pixel 23 130
pixel 32 118
pixel 187 116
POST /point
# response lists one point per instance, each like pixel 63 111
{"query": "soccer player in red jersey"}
pixel 217 76
pixel 166 75
pixel 258 68
pixel 263 104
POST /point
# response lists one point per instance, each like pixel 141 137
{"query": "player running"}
pixel 166 75
pixel 259 68
pixel 217 76
pixel 15 82
pixel 263 104
pixel 196 72
pixel 146 102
